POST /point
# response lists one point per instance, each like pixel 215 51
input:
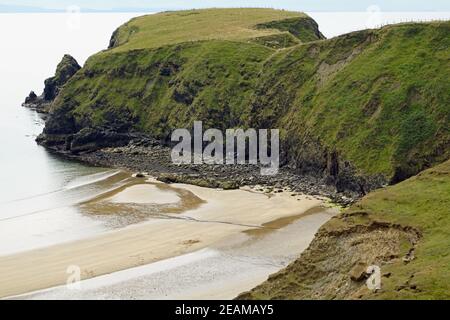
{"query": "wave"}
pixel 90 179
pixel 74 184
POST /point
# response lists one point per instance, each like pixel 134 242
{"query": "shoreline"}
pixel 153 158
pixel 224 214
pixel 222 271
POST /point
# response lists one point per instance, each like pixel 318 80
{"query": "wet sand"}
pixel 221 271
pixel 221 216
pixel 145 194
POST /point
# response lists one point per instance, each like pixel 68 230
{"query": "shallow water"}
pixel 39 192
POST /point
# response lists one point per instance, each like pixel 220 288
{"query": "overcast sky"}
pixel 301 5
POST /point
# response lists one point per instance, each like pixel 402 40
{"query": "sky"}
pixel 160 5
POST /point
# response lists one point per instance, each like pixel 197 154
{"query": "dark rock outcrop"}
pixel 87 139
pixel 32 98
pixel 114 41
pixel 65 70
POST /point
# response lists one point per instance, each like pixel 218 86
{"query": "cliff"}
pixel 65 70
pixel 361 110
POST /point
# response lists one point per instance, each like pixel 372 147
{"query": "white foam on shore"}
pixel 90 179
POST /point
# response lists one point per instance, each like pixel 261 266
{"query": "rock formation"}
pixel 65 70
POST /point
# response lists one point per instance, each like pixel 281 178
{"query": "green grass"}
pixel 376 98
pixel 383 106
pixel 168 87
pixel 421 203
pixel 169 28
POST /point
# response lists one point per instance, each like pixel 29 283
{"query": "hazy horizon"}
pixel 27 6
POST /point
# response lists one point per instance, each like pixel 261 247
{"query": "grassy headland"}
pixel 167 28
pixel 362 109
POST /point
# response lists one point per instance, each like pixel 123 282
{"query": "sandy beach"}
pixel 188 219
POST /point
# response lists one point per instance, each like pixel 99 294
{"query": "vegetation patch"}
pixel 402 229
pixel 362 110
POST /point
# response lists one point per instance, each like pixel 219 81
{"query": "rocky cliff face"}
pixel 360 111
pixel 65 70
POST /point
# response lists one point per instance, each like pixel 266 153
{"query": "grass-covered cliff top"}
pixel 174 27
